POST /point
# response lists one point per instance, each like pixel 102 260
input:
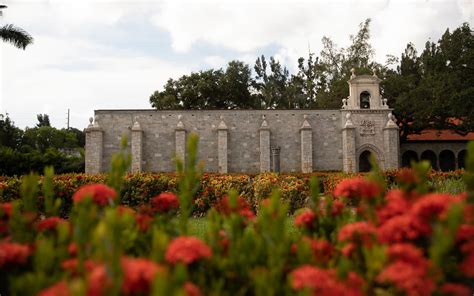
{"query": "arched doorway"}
pixel 447 161
pixel 462 159
pixel 431 157
pixel 365 100
pixel 364 161
pixel 408 157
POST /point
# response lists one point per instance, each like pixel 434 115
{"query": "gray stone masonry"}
pixel 306 147
pixel 222 147
pixel 94 148
pixel 137 147
pixel 241 140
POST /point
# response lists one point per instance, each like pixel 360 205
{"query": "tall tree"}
pixel 43 120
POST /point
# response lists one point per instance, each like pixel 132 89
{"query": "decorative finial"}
pixel 180 116
pixel 263 116
pixel 348 120
pixel 353 73
pixel 374 73
pixel 91 120
pixel 305 116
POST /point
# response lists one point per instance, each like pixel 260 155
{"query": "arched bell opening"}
pixel 365 100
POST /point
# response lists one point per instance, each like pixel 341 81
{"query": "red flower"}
pixel 187 249
pixel 408 278
pixel 143 221
pixel 322 249
pixel 357 231
pixel 323 282
pixel 407 253
pixel 49 224
pixel 72 249
pixel 396 205
pixel 138 275
pixel 98 281
pixel 72 265
pixel 357 188
pixel 454 289
pixel 398 229
pixel 466 265
pixel 407 176
pixel 101 194
pixel 465 232
pixel 337 207
pixel 242 208
pixel 59 289
pixel 5 214
pixel 305 219
pixel 165 202
pixel 13 254
pixel 191 289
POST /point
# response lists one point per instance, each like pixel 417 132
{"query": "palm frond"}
pixel 17 36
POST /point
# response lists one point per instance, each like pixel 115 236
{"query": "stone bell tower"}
pixel 368 126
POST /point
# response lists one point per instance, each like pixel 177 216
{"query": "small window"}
pixel 365 100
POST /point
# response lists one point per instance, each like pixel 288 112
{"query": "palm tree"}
pixel 17 36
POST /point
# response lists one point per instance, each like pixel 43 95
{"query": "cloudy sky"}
pixel 99 54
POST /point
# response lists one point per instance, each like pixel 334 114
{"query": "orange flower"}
pixel 187 250
pixel 101 194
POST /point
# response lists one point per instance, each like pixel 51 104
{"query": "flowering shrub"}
pixel 363 238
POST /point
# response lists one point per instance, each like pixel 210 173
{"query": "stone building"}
pixel 254 141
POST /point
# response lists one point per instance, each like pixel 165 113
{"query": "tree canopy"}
pixel 434 88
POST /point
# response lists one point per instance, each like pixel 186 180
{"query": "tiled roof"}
pixel 440 135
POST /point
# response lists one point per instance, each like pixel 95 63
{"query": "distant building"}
pixel 445 149
pixel 253 141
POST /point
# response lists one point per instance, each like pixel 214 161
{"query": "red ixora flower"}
pixel 191 289
pixel 165 202
pixel 59 289
pixel 242 208
pixel 322 249
pixel 352 232
pixel 49 223
pixel 454 289
pixel 324 282
pixel 101 194
pixel 13 254
pixel 187 249
pixel 305 219
pixel 396 204
pixel 398 229
pixel 407 277
pixel 357 188
pixel 138 275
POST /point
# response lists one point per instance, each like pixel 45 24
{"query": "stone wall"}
pixel 160 133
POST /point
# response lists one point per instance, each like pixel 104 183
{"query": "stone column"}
pixel 306 146
pixel 137 147
pixel 391 144
pixel 349 163
pixel 264 146
pixel 180 136
pixel 222 147
pixel 94 147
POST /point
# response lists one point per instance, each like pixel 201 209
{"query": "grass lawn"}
pixel 198 226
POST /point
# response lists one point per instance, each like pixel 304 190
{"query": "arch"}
pixel 364 161
pixel 462 159
pixel 371 149
pixel 431 157
pixel 447 161
pixel 364 98
pixel 409 156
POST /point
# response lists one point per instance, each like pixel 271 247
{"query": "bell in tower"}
pixel 364 93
